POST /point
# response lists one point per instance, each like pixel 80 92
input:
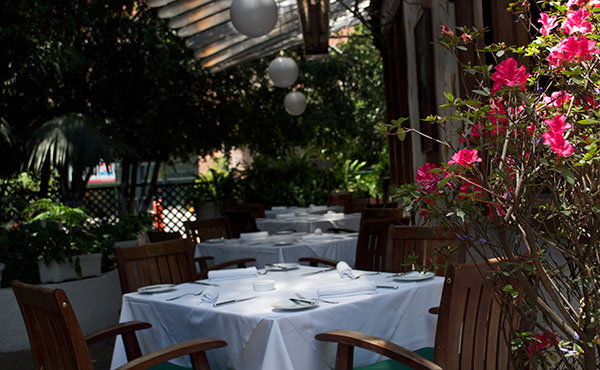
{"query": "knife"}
pixel 318 272
pixel 302 301
pixel 203 283
pixel 233 301
pixel 387 286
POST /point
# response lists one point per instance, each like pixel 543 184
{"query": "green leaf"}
pixel 459 47
pixel 481 92
pixel 500 53
pixel 436 170
pixel 449 96
pixel 588 121
pixel 567 174
pixel 461 214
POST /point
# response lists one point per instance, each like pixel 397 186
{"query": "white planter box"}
pixel 60 271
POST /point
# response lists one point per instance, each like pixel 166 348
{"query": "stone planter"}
pixel 61 271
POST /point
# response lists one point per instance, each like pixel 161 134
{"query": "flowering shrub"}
pixel 524 183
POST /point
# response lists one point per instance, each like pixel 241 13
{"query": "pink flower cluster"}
pixel 427 180
pixel 508 73
pixel 572 49
pixel 576 22
pixel 555 136
pixel 465 157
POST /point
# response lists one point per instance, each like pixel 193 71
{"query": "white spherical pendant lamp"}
pixel 295 103
pixel 283 71
pixel 253 18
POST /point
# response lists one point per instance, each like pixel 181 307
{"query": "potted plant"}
pixel 59 235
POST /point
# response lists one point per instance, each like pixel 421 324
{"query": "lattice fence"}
pixel 170 207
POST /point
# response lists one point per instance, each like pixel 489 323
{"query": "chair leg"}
pixel 132 346
pixel 199 361
pixel 345 357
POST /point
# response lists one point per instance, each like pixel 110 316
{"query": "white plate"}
pixel 282 266
pixel 284 242
pixel 415 276
pixel 214 241
pixel 287 305
pixel 156 288
pixel 283 232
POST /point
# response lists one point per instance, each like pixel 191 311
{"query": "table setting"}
pixel 301 211
pixel 281 246
pixel 305 222
pixel 269 320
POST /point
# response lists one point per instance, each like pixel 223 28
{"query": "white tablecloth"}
pixel 261 339
pixel 310 223
pixel 272 213
pixel 338 247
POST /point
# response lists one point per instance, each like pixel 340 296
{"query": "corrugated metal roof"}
pixel 218 45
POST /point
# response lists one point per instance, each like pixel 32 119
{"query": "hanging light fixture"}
pixel 283 71
pixel 295 103
pixel 253 18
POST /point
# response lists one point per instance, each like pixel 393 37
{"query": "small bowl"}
pixel 264 285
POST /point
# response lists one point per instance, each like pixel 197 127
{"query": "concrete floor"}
pixel 101 356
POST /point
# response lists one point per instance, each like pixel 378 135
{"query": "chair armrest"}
pixel 348 339
pixel 314 261
pixel 338 230
pixel 241 263
pixel 202 261
pixel 127 331
pixel 194 348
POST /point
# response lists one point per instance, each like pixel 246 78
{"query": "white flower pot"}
pixel 60 271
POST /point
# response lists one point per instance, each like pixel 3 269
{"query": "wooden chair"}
pixel 371 247
pixel 58 343
pixel 170 262
pixel 471 329
pixel 155 236
pixel 201 230
pixel 256 209
pixel 357 205
pixel 434 247
pixel 339 198
pixel 241 222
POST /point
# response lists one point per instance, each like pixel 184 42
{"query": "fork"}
pixel 183 295
pixel 316 299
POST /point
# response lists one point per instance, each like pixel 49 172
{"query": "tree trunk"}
pixel 133 204
pixel 149 195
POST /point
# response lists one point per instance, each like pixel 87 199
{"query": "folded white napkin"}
pixel 313 207
pixel 279 208
pixel 314 237
pixel 285 215
pixel 209 295
pixel 230 274
pixel 333 216
pixel 343 269
pixel 349 289
pixel 254 235
pixel 318 231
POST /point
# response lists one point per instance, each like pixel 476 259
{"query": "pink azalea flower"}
pixel 572 49
pixel 427 180
pixel 465 157
pixel 576 22
pixel 557 98
pixel 446 31
pixel 558 124
pixel 548 23
pixel 507 74
pixel 558 144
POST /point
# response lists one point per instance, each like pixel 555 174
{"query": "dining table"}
pixel 309 222
pixel 311 209
pixel 282 246
pixel 275 328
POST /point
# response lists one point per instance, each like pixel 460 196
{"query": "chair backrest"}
pixel 371 248
pixel 403 217
pixel 162 236
pixel 56 338
pixel 241 222
pixel 432 246
pixel 170 262
pixel 339 198
pixel 472 331
pixel 210 228
pixel 357 205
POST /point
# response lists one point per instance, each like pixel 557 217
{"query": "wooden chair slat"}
pixel 212 228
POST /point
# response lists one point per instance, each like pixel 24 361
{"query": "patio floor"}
pixel 101 355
